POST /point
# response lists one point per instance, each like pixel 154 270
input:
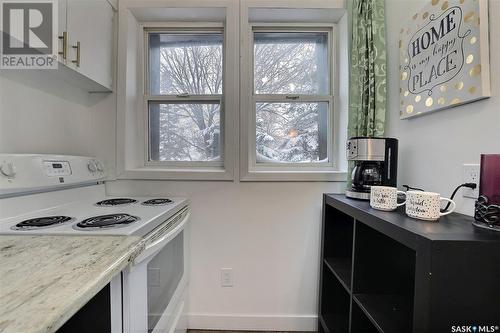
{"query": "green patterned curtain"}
pixel 367 76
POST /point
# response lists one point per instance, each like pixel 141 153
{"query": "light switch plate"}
pixel 471 175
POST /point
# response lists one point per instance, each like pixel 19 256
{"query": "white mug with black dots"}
pixel 426 205
pixel 385 198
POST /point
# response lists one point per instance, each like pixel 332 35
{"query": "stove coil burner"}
pixel 116 202
pixel 107 221
pixel 157 202
pixel 42 222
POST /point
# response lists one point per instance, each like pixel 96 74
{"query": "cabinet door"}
pixel 90 22
pixel 62 29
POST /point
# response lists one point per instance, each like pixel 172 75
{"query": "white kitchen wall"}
pixel 268 233
pixel 434 147
pixel 40 113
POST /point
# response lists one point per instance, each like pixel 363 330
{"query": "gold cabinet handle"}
pixel 77 61
pixel 64 51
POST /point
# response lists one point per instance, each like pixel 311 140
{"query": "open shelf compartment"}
pixel 360 322
pixel 338 244
pixel 335 303
pixel 384 280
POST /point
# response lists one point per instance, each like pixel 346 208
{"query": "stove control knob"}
pixel 8 169
pixel 92 166
pixel 99 166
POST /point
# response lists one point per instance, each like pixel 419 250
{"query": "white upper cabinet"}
pixel 86 29
pixel 62 33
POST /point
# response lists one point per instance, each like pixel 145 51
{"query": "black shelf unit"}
pixel 384 272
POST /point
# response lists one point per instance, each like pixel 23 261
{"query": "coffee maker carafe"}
pixel 376 163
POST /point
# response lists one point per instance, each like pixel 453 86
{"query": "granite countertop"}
pixel 44 280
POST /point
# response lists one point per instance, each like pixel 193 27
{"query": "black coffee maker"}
pixel 376 164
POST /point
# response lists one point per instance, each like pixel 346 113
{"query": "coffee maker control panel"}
pixel 352 149
pixel 366 149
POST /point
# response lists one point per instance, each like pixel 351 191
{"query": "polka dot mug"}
pixel 385 198
pixel 426 205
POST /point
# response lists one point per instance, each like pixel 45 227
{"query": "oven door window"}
pixel 165 271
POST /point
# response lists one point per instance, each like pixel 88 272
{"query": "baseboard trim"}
pixel 252 322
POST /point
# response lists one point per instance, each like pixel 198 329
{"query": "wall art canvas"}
pixel 444 56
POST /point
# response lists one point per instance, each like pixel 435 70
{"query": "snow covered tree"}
pixel 285 131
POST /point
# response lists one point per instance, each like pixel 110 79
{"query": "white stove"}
pixel 84 217
pixel 65 195
pixel 44 194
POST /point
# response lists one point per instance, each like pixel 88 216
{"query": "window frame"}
pixel 195 28
pixel 292 98
pixel 250 170
pixel 234 17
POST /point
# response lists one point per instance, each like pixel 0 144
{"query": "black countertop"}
pixel 452 227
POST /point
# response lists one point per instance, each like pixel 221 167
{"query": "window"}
pixel 184 94
pixel 292 98
pixel 219 89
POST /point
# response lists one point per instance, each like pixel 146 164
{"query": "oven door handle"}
pixel 155 247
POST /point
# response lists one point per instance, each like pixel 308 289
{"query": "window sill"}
pixel 177 174
pixel 294 176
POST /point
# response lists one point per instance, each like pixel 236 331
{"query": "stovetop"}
pixel 118 216
pixel 62 194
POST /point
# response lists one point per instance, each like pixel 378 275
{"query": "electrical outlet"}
pixel 471 175
pixel 226 277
